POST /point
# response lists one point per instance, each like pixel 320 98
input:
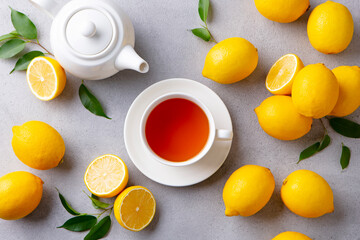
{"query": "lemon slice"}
pixel 281 75
pixel 106 176
pixel 135 208
pixel 46 78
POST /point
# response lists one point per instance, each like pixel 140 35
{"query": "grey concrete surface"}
pixel 195 212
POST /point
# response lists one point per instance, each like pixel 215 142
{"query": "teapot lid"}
pixel 89 31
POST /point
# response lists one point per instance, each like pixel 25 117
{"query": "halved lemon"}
pixel 281 75
pixel 106 176
pixel 135 208
pixel 46 78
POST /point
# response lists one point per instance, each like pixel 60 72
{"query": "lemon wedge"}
pixel 135 208
pixel 106 176
pixel 46 78
pixel 281 75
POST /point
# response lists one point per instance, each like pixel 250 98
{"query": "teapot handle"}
pixel 50 7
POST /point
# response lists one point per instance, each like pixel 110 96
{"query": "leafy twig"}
pixel 25 32
pixel 342 126
pixel 85 222
pixel 316 147
pixel 204 32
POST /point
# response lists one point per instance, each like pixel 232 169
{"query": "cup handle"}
pixel 223 134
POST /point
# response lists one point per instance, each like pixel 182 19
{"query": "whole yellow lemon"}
pixel 315 91
pixel 38 145
pixel 230 61
pixel 248 190
pixel 278 117
pixel 283 11
pixel 330 27
pixel 349 92
pixel 291 236
pixel 307 194
pixel 20 194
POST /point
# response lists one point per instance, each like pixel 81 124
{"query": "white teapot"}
pixel 92 39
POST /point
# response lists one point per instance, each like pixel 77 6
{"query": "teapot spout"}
pixel 129 59
pixel 50 7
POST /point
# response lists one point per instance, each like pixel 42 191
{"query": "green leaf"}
pixel 308 152
pixel 96 202
pixel 324 143
pixel 8 36
pixel 79 223
pixel 345 157
pixel 315 148
pixel 23 25
pixel 202 33
pixel 345 127
pixel 99 203
pixel 90 102
pixel 97 198
pixel 99 230
pixel 204 9
pixel 24 61
pixel 15 33
pixel 66 205
pixel 11 48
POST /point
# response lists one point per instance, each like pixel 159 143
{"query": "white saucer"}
pixel 168 175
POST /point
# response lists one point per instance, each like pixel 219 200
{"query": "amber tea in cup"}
pixel 177 129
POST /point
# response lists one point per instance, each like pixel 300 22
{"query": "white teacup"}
pixel 214 134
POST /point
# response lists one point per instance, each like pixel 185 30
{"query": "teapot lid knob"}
pixel 88 29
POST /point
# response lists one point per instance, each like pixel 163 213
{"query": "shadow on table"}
pixel 43 210
pixel 273 209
